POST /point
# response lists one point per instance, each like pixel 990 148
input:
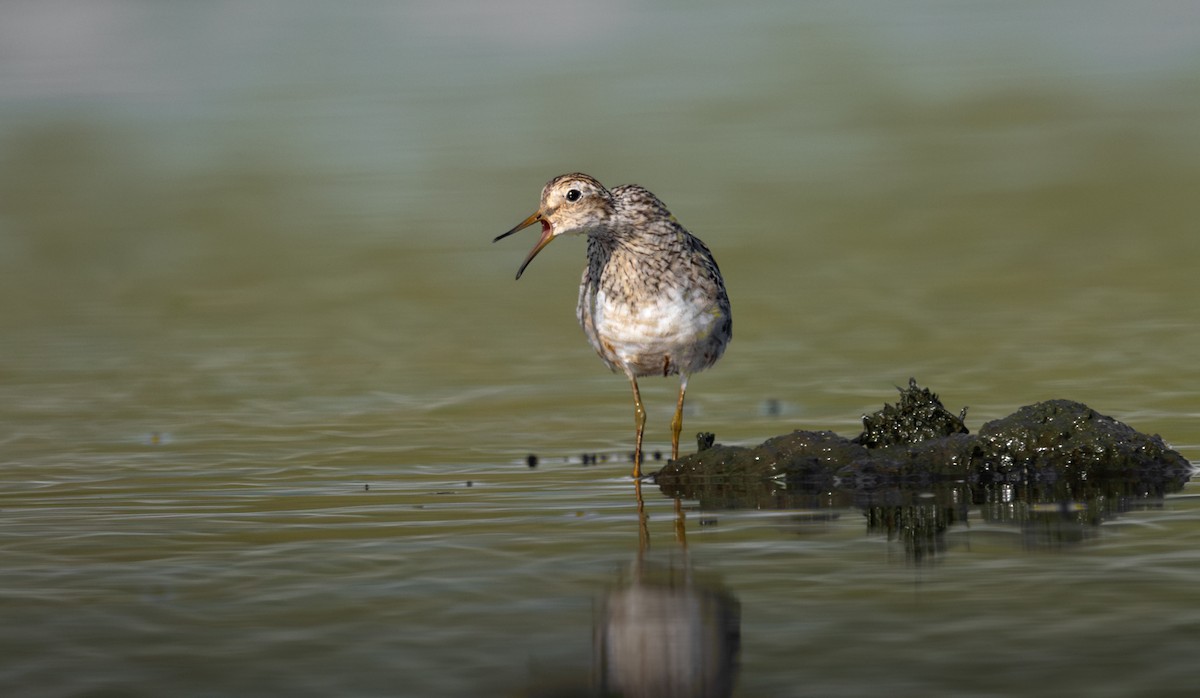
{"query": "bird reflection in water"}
pixel 662 631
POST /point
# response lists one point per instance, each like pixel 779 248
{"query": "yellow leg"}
pixel 639 418
pixel 677 422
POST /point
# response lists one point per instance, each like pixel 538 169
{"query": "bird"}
pixel 652 301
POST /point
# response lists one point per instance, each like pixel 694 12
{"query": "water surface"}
pixel 268 390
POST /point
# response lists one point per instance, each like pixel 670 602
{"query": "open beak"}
pixel 547 236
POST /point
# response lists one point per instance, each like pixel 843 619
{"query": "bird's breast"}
pixel 660 333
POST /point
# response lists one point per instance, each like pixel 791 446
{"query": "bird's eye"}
pixel 574 194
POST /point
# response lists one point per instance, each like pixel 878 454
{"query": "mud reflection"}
pixel 1044 514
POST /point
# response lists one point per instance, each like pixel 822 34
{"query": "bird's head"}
pixel 571 204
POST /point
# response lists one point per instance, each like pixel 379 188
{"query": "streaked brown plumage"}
pixel 651 300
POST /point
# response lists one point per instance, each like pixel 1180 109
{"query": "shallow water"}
pixel 268 390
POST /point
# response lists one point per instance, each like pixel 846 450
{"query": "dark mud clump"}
pixel 918 442
pixel 918 417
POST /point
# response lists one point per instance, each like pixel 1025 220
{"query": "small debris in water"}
pixel 708 522
pixel 531 460
pixel 771 407
pixel 156 438
pixel 469 483
pixel 596 458
pixel 366 487
pixel 658 455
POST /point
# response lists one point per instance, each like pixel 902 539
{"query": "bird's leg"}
pixel 677 422
pixel 639 418
pixel 643 527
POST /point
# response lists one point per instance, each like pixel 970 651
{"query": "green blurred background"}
pixel 246 264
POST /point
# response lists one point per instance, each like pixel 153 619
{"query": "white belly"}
pixel 667 333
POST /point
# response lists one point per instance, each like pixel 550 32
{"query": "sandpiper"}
pixel 652 300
